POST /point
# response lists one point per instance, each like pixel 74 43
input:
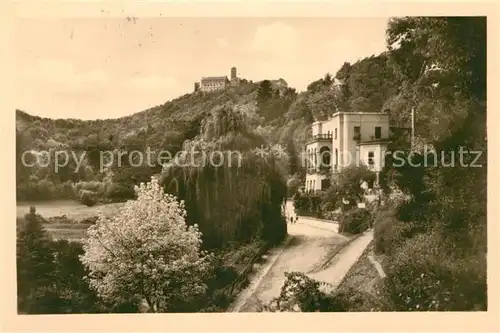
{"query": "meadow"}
pixel 72 212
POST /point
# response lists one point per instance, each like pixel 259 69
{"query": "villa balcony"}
pixel 323 137
pixel 324 170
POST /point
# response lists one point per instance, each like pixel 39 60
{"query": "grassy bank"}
pixel 65 219
pixel 69 209
pixel 364 285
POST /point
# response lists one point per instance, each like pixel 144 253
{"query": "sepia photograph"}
pixel 250 164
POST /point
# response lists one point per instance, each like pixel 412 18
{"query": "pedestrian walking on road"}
pixel 296 219
pixel 291 219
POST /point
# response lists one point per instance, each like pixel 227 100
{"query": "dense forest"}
pixel 435 66
pixel 430 233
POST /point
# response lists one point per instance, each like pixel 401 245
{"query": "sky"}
pixel 113 67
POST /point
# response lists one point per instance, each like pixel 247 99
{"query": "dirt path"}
pixel 307 247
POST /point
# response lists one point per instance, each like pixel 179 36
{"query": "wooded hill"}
pixel 272 109
pixel 427 73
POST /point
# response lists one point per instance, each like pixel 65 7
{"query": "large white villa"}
pixel 345 138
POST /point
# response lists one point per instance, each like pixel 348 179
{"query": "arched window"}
pixel 325 156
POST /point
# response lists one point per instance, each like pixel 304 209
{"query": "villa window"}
pixel 325 156
pixel 378 132
pixel 371 156
pixel 336 157
pixel 357 133
pixel 335 136
pixel 308 163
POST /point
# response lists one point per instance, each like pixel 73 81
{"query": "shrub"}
pixel 61 220
pixel 90 220
pixel 373 206
pixel 54 282
pixel 47 188
pixel 301 293
pixel 94 186
pixel 292 186
pixel 348 182
pixel 424 275
pixel 66 190
pixel 332 215
pixel 389 232
pixel 351 299
pixel 88 198
pixel 300 201
pixel 308 204
pixel 118 192
pixel 356 221
pixel 331 199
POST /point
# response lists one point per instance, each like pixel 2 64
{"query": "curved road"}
pixel 304 251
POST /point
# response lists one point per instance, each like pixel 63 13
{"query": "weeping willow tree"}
pixel 232 193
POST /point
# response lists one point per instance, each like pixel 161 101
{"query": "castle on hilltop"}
pixel 212 83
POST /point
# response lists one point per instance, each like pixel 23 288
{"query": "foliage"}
pixel 164 127
pixel 147 251
pixel 34 260
pixel 293 185
pixel 356 221
pixel 303 294
pixel 294 163
pixel 435 279
pixel 271 105
pixel 300 293
pixel 50 277
pixel 240 199
pixel 332 199
pixel 347 182
pixel 441 62
pixel 389 232
pixel 307 204
pixel 88 198
pixel 345 186
pixel 434 65
pixel 117 192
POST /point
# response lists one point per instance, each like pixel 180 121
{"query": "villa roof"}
pixel 349 113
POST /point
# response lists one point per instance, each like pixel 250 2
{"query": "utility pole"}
pixel 412 126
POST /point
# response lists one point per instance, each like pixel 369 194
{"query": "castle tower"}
pixel 233 73
pixel 196 86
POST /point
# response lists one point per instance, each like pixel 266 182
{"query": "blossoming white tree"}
pixel 148 252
